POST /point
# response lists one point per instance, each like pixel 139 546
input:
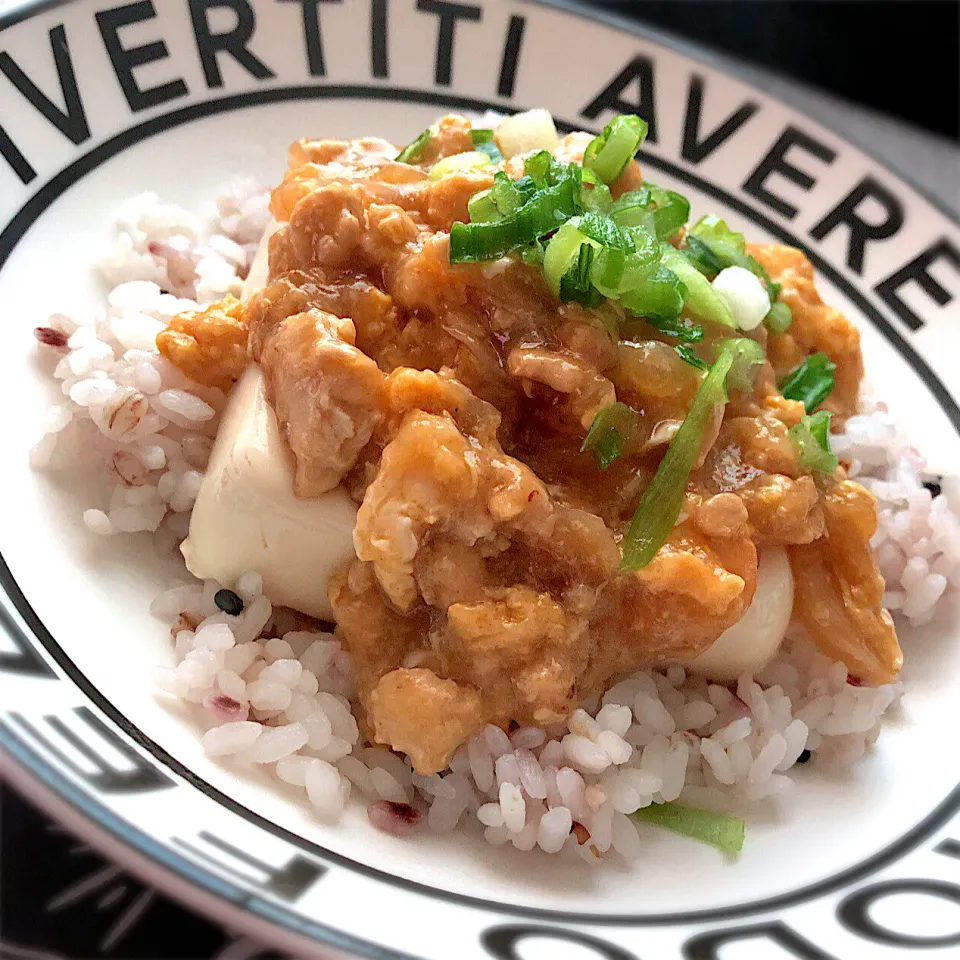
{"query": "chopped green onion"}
pixel 711 241
pixel 671 215
pixel 610 432
pixel 484 142
pixel 743 371
pixel 698 252
pixel 720 830
pixel 482 208
pixel 604 231
pixel 608 154
pixel 660 211
pixel 459 163
pixel 541 214
pixel 779 318
pixel 562 252
pixel 811 382
pixel 714 231
pixel 413 151
pixel 592 238
pixel 686 331
pixel 701 299
pixel 658 295
pixel 594 194
pixel 661 502
pixel 617 273
pixel 533 254
pixel 819 425
pixel 811 437
pixel 510 195
pixel 686 353
pixel 575 284
pixel 538 166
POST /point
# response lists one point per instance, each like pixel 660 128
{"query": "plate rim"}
pixel 941 813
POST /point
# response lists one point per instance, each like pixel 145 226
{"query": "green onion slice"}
pixel 575 284
pixel 540 166
pixel 779 318
pixel 712 245
pixel 720 830
pixel 660 211
pixel 533 254
pixel 413 151
pixel 595 194
pixel 510 195
pixel 701 299
pixel 562 252
pixel 611 430
pixel 811 437
pixel 482 208
pixel 657 295
pixel 459 163
pixel 699 253
pixel 811 382
pixel 541 214
pixel 687 354
pixel 484 142
pixel 661 502
pixel 686 331
pixel 608 154
pixel 749 356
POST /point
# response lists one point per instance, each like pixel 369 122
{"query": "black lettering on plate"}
pixel 854 912
pixel 693 148
pixel 918 271
pixel 511 56
pixel 447 16
pixel 126 59
pixel 139 777
pixel 707 946
pixel 71 119
pixel 289 881
pixel 862 231
pixel 776 162
pixel 26 660
pixel 312 36
pixel 18 162
pixel 948 847
pixel 640 71
pixel 502 942
pixel 378 38
pixel 233 42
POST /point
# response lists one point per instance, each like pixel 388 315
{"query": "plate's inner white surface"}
pixel 93 594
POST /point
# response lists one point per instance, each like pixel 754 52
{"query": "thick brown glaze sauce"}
pixel 452 403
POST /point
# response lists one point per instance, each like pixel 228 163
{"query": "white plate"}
pixel 864 865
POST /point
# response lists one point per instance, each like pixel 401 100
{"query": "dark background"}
pixel 898 56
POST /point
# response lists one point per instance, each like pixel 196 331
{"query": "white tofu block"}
pixel 260 265
pixel 247 517
pixel 752 642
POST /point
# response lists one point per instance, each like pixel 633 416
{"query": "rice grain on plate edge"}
pixel 282 697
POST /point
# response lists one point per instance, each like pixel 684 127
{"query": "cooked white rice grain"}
pixel 657 735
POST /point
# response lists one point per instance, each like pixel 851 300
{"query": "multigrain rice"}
pixel 284 698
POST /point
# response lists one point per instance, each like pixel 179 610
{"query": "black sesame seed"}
pixel 934 487
pixel 228 602
pixel 804 756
